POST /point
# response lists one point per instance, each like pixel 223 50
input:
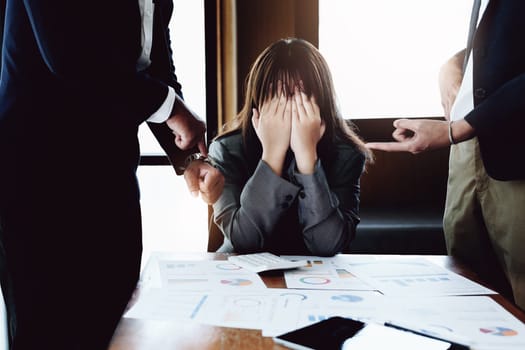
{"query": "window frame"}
pixel 210 40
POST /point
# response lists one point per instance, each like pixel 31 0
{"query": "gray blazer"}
pixel 294 214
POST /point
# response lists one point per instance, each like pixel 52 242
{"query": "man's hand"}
pixel 187 127
pixel 307 130
pixel 273 126
pixel 450 76
pixel 419 135
pixel 203 178
pixel 415 136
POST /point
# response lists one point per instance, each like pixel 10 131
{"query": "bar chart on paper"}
pixel 414 277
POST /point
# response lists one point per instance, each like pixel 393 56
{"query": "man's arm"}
pixel 419 135
pixel 503 109
pixel 185 127
pixel 450 77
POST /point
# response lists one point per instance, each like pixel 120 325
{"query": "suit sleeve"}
pixel 163 68
pixel 506 103
pixel 328 212
pixel 93 48
pixel 247 213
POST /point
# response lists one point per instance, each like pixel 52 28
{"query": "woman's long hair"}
pixel 294 62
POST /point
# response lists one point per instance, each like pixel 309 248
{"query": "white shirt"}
pixel 464 102
pixel 146 12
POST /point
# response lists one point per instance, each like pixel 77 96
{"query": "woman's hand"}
pixel 273 127
pixel 307 130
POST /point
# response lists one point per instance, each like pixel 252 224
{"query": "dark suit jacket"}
pixel 499 89
pixel 71 97
pixel 71 103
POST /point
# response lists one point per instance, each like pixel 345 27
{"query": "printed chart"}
pixel 206 275
pixel 414 276
pixel 323 273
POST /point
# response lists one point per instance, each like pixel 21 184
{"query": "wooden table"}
pixel 134 334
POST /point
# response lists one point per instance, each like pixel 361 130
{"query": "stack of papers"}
pixel 412 292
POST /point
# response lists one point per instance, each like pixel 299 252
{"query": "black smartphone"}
pixel 338 333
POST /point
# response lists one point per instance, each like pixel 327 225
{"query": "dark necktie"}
pixel 472 30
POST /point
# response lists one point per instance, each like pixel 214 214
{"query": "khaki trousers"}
pixel 484 221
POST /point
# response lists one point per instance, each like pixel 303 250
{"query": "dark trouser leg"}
pixel 72 272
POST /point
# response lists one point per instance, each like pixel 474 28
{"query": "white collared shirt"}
pixel 464 102
pixel 146 12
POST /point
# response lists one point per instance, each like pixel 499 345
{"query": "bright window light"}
pixel 187 42
pixel 385 55
pixel 172 220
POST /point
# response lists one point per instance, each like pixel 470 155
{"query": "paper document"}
pixel 167 305
pixel 300 308
pixel 416 294
pixel 481 320
pixel 272 309
pixel 323 273
pixel 207 275
pixel 413 276
pixel 476 320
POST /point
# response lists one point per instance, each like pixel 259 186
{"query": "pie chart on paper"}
pixel 237 282
pixel 499 331
pixel 314 280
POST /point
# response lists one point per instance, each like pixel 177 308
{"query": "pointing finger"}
pixel 388 146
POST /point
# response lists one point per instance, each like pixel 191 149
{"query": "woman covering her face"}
pixel 291 162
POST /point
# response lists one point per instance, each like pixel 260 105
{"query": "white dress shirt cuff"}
pixel 163 113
